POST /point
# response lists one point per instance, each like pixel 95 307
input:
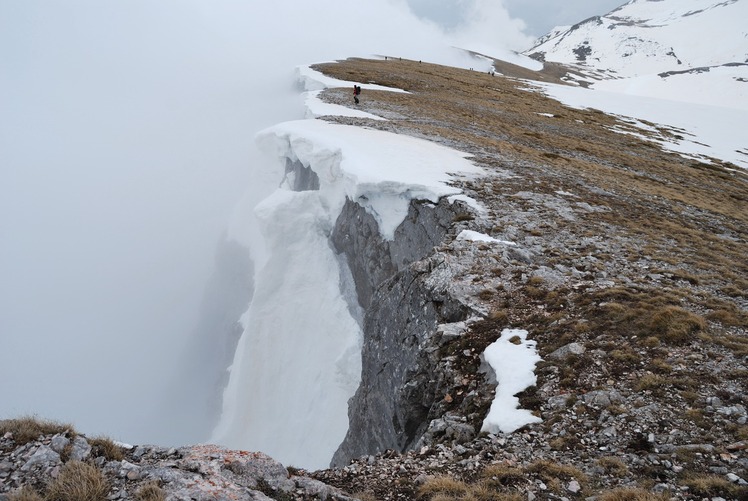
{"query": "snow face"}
pixel 298 361
pixel 514 366
pixel 379 170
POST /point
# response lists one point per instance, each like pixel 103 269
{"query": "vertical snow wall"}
pixel 355 208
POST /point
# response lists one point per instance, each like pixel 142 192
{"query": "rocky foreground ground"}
pixel 629 270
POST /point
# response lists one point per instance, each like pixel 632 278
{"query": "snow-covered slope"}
pixel 689 50
pixel 654 36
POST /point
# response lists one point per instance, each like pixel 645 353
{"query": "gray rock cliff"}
pixel 404 288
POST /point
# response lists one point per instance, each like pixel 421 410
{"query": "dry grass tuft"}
pixel 364 496
pixel 485 493
pixel 613 465
pixel 25 493
pixel 651 382
pixel 675 325
pixel 503 476
pixel 632 495
pixel 498 316
pixel 150 491
pixel 29 428
pixel 713 485
pixel 78 481
pixel 549 471
pixel 105 446
pixel 442 485
pixel 479 492
pixel 444 488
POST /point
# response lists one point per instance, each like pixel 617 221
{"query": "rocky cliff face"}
pixel 300 177
pixel 372 259
pixel 405 292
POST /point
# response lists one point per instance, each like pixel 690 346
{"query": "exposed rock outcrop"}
pixel 406 295
pixel 198 472
pixel 300 177
pixel 373 259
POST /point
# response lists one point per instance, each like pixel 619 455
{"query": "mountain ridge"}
pixel 623 261
pixel 646 38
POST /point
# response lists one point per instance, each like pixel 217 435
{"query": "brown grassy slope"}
pixel 682 211
pixel 661 308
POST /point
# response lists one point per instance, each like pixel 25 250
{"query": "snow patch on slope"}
pixel 475 236
pixel 512 358
pixel 662 61
pixel 725 86
pixel 706 131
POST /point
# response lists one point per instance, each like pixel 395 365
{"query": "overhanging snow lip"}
pixel 387 170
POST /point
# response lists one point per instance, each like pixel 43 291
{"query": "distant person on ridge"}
pixel 356 92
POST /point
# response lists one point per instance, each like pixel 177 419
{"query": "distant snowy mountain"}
pixel 690 50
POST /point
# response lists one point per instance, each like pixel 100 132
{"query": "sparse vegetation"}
pixel 25 493
pixel 444 486
pixel 105 446
pixel 658 270
pixel 29 428
pixel 549 470
pixel 675 325
pixel 613 465
pixel 651 382
pixel 713 486
pixel 78 481
pixel 633 495
pixel 503 476
pixel 150 491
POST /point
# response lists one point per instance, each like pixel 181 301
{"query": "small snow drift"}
pixel 512 358
pixel 474 236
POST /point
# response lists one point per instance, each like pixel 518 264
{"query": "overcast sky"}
pixel 126 142
pixel 539 16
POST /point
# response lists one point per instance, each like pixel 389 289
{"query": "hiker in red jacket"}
pixel 356 92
